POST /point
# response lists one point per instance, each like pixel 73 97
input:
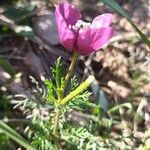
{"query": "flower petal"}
pixel 69 13
pixel 102 21
pixel 66 35
pixel 90 40
pixel 66 15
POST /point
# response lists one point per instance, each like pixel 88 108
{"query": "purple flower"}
pixel 79 36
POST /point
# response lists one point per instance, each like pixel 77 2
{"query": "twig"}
pixel 15 120
pixel 49 48
pixel 123 36
pixel 8 22
pixel 13 57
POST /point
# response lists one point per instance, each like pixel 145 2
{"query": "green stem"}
pixel 56 123
pixel 74 59
pixel 61 93
pixel 82 87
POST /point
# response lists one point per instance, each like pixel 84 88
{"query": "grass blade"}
pixel 14 135
pixel 114 5
pixel 117 107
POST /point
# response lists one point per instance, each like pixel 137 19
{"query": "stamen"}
pixel 79 25
pixel 70 26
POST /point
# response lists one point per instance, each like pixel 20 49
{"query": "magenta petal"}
pixel 91 40
pixel 69 13
pixel 66 35
pixel 103 20
pixel 66 15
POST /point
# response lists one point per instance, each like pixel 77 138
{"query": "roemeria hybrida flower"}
pixel 77 35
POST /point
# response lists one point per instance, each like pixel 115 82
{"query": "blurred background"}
pixel 29 46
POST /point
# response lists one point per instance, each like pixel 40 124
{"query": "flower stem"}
pixel 56 123
pixel 61 94
pixel 82 87
pixel 74 59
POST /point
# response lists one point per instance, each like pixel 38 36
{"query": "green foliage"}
pixel 73 83
pixel 14 135
pixel 80 138
pixel 92 127
pixel 40 128
pixel 4 105
pixel 17 19
pixel 147 140
pixel 7 66
pixel 117 107
pixel 58 75
pixel 51 91
pixel 80 89
pixel 19 13
pixel 24 30
pixel 4 140
pixel 80 102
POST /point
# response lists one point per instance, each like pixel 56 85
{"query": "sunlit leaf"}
pixel 117 107
pixel 19 13
pixel 24 31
